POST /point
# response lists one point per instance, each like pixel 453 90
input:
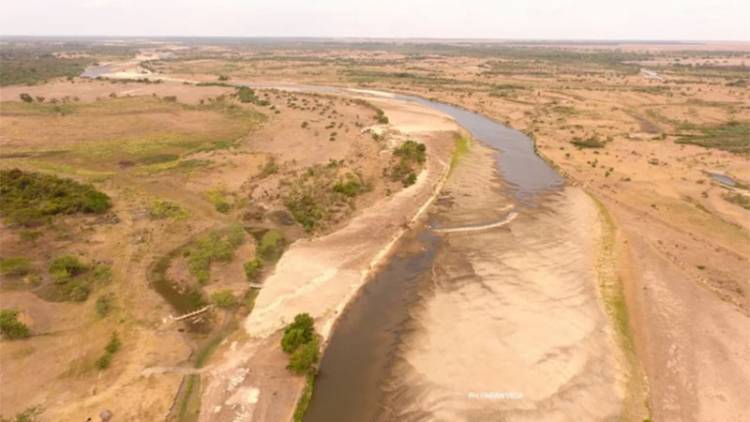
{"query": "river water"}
pixel 361 355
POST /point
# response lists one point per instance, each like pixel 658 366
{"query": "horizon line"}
pixel 372 38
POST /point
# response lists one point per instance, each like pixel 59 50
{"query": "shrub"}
pixel 299 332
pixel 350 188
pixel 412 152
pixel 103 305
pixel 271 245
pixel 10 327
pixel 247 95
pixel 305 209
pixel 224 299
pixel 219 199
pixel 269 168
pixel 15 266
pixel 304 358
pixel 66 267
pixel 113 346
pixel 592 142
pixel 164 209
pixel 26 97
pixel 29 198
pixel 252 269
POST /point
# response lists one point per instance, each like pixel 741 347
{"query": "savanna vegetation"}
pixel 733 136
pixel 408 157
pixel 73 280
pixel 216 246
pixel 29 198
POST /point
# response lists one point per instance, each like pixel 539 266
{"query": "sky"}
pixel 498 19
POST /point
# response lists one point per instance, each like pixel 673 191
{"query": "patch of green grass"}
pixel 460 149
pixel 104 305
pixel 351 186
pixel 29 198
pixel 224 299
pixel 305 398
pixel 190 402
pixel 73 280
pixel 15 266
pixel 252 269
pixel 113 346
pixel 161 209
pixel 733 136
pixel 214 247
pixel 271 245
pixel 10 327
pixel 219 199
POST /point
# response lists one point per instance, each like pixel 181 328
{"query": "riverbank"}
pixel 320 276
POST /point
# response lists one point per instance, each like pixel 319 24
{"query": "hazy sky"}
pixel 535 19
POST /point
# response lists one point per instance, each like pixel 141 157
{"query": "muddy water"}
pixel 523 172
pixel 360 352
pixel 370 370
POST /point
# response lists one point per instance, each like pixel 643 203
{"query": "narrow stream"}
pixel 366 337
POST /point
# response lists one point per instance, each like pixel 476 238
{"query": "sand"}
pixel 513 328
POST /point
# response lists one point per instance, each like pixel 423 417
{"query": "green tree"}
pixel 303 359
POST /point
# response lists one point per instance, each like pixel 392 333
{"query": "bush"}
pixel 305 209
pixel 252 269
pixel 350 188
pixel 26 97
pixel 103 305
pixel 592 142
pixel 10 327
pixel 29 198
pixel 299 332
pixel 15 266
pixel 224 299
pixel 219 199
pixel 110 350
pixel 247 95
pixel 66 267
pixel 164 209
pixel 304 358
pixel 271 245
pixel 412 152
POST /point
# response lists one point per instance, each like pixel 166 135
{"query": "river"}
pixel 370 336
